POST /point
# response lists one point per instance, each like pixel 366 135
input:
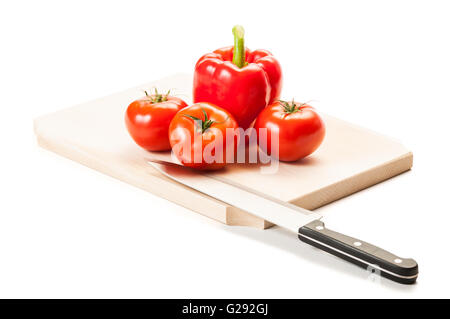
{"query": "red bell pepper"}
pixel 239 80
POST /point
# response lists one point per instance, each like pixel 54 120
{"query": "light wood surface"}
pixel 351 158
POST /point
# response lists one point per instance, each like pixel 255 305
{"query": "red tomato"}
pixel 299 128
pixel 199 138
pixel 148 119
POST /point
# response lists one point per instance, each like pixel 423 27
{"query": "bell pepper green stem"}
pixel 239 48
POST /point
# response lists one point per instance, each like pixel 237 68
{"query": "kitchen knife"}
pixel 304 223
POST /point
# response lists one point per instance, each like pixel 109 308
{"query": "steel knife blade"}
pixel 305 224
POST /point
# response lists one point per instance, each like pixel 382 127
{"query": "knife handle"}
pixel 360 253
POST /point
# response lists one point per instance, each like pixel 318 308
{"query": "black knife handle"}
pixel 360 253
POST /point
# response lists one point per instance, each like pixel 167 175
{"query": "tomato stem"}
pixel 157 97
pixel 203 124
pixel 290 107
pixel 239 48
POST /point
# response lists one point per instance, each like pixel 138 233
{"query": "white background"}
pixel 68 231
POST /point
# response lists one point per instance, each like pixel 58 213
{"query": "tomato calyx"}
pixel 157 97
pixel 204 124
pixel 290 107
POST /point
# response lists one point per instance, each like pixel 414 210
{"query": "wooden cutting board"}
pixel 350 159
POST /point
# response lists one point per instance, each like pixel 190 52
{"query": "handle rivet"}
pixel 357 243
pixel 319 227
pixel 398 261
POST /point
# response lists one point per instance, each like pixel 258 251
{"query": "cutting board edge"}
pixel 356 183
pixel 216 209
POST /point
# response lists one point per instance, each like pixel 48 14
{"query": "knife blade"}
pixel 305 224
